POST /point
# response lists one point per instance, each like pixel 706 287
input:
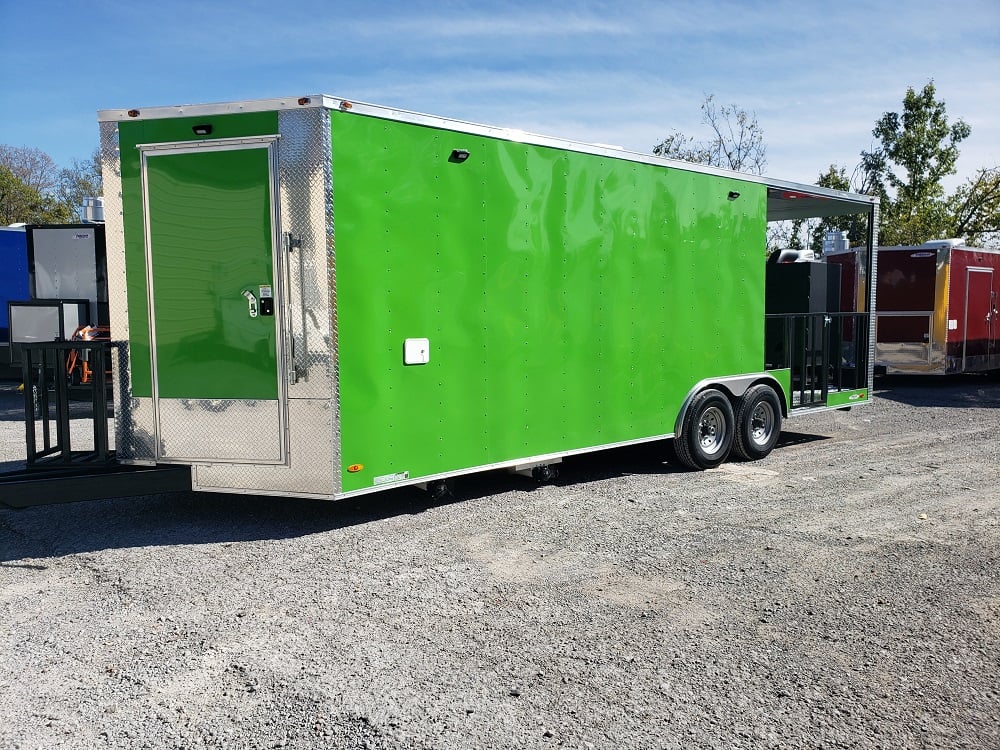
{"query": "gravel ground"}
pixel 842 593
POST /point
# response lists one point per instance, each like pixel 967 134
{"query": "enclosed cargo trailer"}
pixel 13 276
pixel 938 309
pixel 324 298
pixel 68 261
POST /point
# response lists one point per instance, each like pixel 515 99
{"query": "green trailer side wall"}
pixel 570 300
pixel 130 135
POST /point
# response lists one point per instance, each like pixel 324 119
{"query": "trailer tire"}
pixel 707 431
pixel 758 423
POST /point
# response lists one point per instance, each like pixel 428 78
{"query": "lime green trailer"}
pixel 324 298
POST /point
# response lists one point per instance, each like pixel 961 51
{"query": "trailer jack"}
pixel 439 489
pixel 544 473
pixel 540 472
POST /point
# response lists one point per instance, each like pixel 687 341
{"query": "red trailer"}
pixel 937 308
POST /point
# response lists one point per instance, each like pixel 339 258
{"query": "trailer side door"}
pixel 214 303
pixel 980 333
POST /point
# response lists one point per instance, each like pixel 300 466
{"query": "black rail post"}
pixel 99 403
pixel 53 356
pixel 824 354
pixel 62 406
pixel 43 399
pixel 28 380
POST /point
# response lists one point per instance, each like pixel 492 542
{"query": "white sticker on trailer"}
pixel 388 478
pixel 952 324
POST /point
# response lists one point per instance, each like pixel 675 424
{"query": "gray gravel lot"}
pixel 842 593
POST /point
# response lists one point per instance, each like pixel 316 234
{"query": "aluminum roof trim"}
pixel 939 245
pixel 218 108
pixel 786 200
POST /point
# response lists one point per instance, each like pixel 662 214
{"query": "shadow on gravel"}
pixel 185 518
pixel 797 438
pixel 957 391
pixel 210 518
pixel 11 402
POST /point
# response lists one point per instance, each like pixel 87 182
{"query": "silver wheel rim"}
pixel 712 430
pixel 762 423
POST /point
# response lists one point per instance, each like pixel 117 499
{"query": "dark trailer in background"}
pixel 66 288
pixel 69 261
pixel 938 309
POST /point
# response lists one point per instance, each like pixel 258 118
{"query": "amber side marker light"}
pixel 346 105
pixel 355 468
pixel 133 113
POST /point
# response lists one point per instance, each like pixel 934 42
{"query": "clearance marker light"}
pixel 355 468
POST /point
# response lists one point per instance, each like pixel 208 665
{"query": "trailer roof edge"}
pixel 786 200
pixel 309 101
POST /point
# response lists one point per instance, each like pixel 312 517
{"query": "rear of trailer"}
pixel 324 298
pixel 13 285
pixel 13 274
pixel 938 309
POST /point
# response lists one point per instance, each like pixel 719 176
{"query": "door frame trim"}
pixel 965 323
pixel 218 144
pixel 268 142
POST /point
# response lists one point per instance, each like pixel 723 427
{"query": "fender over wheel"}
pixel 707 431
pixel 758 423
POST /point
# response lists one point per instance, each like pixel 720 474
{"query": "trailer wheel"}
pixel 758 423
pixel 707 431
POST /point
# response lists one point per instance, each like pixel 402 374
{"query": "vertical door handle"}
pixel 251 302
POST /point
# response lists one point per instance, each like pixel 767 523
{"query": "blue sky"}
pixel 816 74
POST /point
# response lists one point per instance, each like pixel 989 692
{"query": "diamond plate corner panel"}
pixel 306 192
pixel 310 456
pixel 134 418
pixel 303 178
pixel 235 430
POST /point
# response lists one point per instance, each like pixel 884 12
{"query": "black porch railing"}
pixel 824 351
pixel 47 393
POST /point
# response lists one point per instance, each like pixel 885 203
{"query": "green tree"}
pixel 974 209
pixel 20 202
pixel 31 166
pixel 34 190
pixel 915 151
pixel 81 180
pixel 15 197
